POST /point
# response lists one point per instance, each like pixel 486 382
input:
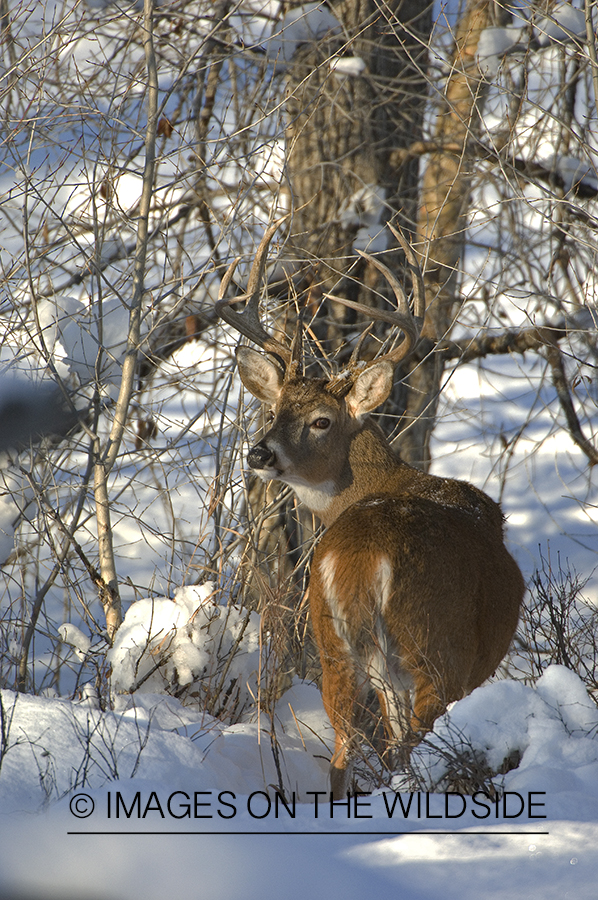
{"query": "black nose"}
pixel 260 457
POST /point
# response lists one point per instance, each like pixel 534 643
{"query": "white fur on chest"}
pixel 317 497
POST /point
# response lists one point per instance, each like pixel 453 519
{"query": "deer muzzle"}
pixel 261 457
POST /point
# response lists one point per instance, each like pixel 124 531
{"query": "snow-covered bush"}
pixel 502 731
pixel 191 647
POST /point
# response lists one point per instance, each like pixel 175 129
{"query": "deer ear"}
pixel 370 389
pixel 262 377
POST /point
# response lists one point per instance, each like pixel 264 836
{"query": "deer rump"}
pixel 418 600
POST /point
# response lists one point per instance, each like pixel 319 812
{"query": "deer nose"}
pixel 260 457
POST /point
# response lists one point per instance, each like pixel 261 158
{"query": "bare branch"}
pixel 543 339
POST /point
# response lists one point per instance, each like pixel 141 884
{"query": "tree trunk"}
pixel 341 135
pixel 354 144
pixel 442 221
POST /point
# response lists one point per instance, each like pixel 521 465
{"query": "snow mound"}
pixel 191 647
pixel 52 747
pixel 547 734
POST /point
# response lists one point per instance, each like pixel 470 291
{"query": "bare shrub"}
pixel 559 626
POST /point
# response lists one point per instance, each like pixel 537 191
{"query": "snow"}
pixel 565 22
pixel 574 171
pixel 180 801
pixel 72 635
pixel 347 65
pixel 192 637
pixel 363 211
pixel 8 513
pixel 494 43
pixel 553 729
pixel 71 331
pixel 311 21
pixel 497 866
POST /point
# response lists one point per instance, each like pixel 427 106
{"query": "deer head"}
pixel 316 419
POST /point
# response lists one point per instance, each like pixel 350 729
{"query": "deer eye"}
pixel 321 424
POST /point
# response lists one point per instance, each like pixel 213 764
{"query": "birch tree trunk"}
pixel 441 220
pixel 105 457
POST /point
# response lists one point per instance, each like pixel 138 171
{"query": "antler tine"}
pixel 357 348
pixel 401 318
pixel 247 322
pixel 419 288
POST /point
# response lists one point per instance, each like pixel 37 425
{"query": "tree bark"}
pixel 442 221
pixel 342 131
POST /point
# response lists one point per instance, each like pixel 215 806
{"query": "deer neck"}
pixel 369 467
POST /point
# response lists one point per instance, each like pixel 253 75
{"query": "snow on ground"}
pixel 187 809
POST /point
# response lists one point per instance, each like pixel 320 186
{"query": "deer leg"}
pixel 427 705
pixel 341 695
pixel 395 707
pixel 392 684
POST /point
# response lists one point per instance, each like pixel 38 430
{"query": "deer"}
pixel 412 590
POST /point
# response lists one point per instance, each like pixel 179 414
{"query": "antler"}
pixel 248 321
pixel 409 323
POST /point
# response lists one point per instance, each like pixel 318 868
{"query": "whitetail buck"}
pixel 412 589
